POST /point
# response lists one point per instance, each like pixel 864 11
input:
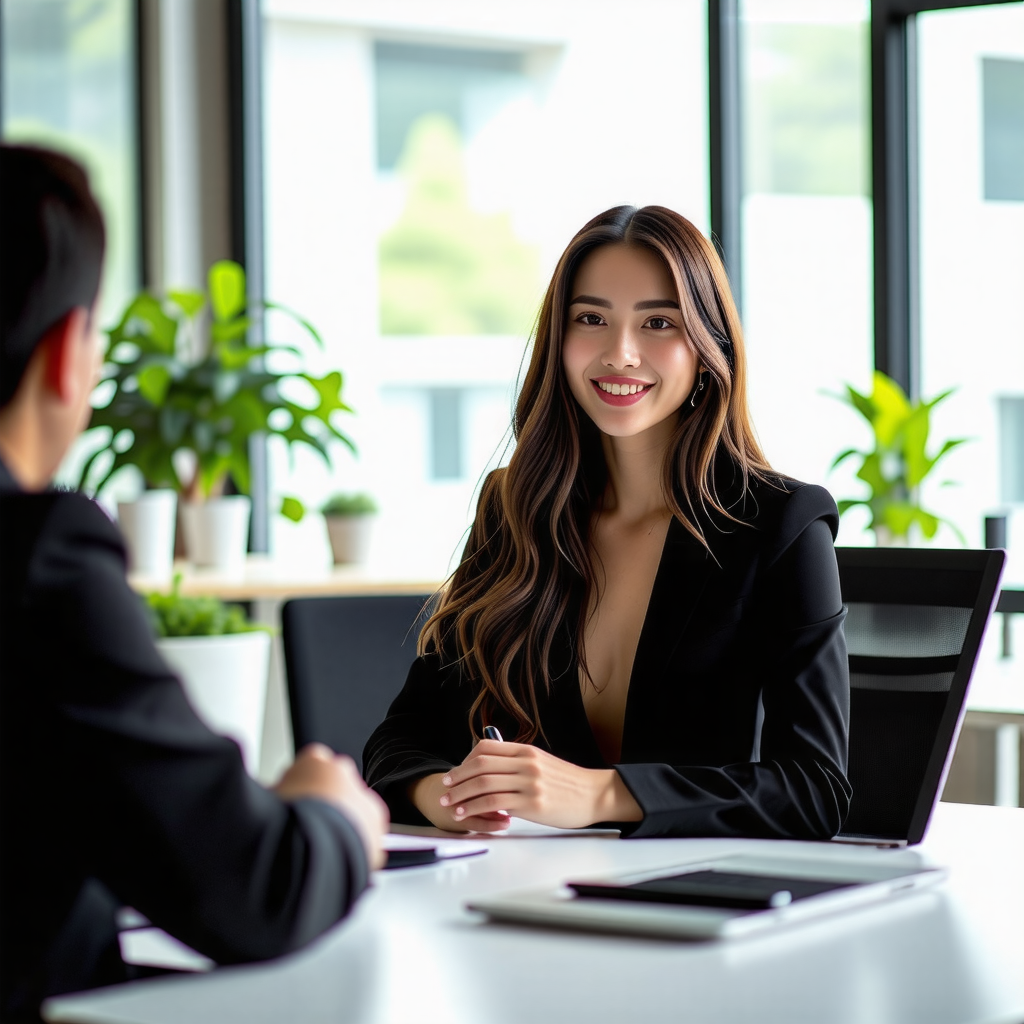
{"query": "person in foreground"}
pixel 112 791
pixel 644 607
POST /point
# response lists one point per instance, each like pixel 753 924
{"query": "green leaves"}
pixel 164 400
pixel 226 281
pixel 293 509
pixel 174 615
pixel 899 462
pixel 154 380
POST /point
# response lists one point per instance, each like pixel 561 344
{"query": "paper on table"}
pixel 519 829
pixel 445 849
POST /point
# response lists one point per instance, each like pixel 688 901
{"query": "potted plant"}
pixel 899 461
pixel 223 662
pixel 349 519
pixel 182 393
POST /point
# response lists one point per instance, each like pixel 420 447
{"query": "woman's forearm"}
pixel 614 800
pixel 426 793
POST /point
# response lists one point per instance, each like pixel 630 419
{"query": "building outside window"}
pixel 426 165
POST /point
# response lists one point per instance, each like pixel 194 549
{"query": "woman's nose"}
pixel 624 350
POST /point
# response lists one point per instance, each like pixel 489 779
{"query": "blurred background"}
pixel 405 175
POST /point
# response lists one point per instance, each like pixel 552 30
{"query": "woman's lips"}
pixel 643 388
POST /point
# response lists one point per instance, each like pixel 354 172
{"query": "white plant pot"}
pixel 217 533
pixel 148 529
pixel 225 679
pixel 350 537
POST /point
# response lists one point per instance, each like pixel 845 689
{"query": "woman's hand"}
pixel 526 782
pixel 426 794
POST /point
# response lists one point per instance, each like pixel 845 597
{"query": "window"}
pixel 1011 448
pixel 806 232
pixel 1003 126
pixel 425 168
pixel 972 260
pixel 69 84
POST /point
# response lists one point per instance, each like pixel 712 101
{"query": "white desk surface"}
pixel 410 953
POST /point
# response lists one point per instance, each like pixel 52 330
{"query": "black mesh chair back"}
pixel 914 625
pixel 346 659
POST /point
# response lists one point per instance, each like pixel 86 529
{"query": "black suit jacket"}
pixel 113 792
pixel 737 714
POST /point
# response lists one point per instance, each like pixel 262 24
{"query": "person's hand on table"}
pixel 319 773
pixel 426 794
pixel 500 780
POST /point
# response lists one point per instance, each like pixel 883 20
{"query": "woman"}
pixel 649 612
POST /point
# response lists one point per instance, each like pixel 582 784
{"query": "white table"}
pixel 411 953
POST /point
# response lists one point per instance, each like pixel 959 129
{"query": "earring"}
pixel 698 389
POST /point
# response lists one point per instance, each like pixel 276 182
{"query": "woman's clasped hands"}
pixel 498 781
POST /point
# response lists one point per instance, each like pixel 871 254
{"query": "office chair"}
pixel 915 623
pixel 346 659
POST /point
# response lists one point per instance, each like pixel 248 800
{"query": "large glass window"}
pixel 971 158
pixel 69 83
pixel 971 184
pixel 426 164
pixel 806 232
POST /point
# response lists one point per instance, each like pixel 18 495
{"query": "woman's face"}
pixel 626 354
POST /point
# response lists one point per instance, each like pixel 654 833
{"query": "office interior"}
pixel 356 158
pixel 405 175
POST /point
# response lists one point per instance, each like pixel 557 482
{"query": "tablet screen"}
pixel 715 889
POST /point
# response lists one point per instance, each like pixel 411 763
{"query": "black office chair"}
pixel 346 659
pixel 915 622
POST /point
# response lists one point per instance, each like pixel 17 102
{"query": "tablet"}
pixel 722 898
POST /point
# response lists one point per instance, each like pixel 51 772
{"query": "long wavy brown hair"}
pixel 527 576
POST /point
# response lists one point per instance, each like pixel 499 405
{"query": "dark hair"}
pixel 527 575
pixel 51 251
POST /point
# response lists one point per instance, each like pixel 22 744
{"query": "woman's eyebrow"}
pixel 656 304
pixel 590 300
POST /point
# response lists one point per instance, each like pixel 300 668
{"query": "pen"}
pixel 491 733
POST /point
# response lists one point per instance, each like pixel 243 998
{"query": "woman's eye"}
pixel 590 319
pixel 659 323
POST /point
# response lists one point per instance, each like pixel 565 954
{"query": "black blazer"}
pixel 755 625
pixel 113 792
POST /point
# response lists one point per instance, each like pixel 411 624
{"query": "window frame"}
pixel 894 184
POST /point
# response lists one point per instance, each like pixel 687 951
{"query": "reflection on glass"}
pixel 68 83
pixel 448 267
pixel 806 104
pixel 807 233
pixel 1002 100
pixel 445 267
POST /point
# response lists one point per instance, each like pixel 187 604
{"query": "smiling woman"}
pixel 643 604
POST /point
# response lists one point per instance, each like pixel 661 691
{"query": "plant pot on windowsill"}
pixel 349 519
pixel 217 533
pixel 223 663
pixel 148 529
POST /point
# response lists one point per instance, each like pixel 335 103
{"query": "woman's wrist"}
pixel 424 794
pixel 614 802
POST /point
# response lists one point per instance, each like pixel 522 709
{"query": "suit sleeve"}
pixel 173 824
pixel 798 787
pixel 426 731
